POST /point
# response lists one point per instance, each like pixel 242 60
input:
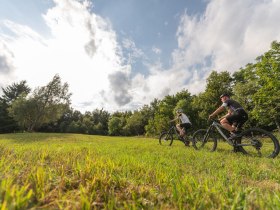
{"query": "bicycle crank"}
pixel 257 144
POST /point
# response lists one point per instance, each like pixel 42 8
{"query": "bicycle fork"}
pixel 205 138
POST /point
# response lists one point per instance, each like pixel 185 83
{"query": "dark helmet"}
pixel 224 94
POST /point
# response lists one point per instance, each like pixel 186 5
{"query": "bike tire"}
pixel 166 139
pixel 199 144
pixel 259 142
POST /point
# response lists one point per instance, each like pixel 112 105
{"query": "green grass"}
pixel 68 171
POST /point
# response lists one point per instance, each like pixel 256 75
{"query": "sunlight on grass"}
pixel 70 171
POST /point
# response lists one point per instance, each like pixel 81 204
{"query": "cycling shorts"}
pixel 238 116
pixel 186 125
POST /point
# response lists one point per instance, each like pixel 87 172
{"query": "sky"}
pixel 119 55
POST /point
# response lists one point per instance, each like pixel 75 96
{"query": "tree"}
pixel 164 113
pixel 245 87
pixel 13 91
pixel 7 123
pixel 150 127
pixel 10 93
pixel 100 120
pixel 205 103
pixel 135 124
pixel 46 104
pixel 267 96
pixel 115 126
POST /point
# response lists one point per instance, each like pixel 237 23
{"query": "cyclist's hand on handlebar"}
pixel 211 117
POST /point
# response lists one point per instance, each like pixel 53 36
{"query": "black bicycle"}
pixel 166 138
pixel 253 141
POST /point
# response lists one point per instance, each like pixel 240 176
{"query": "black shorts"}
pixel 185 125
pixel 239 117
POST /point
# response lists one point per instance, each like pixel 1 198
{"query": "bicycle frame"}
pixel 252 141
pixel 173 130
pixel 219 128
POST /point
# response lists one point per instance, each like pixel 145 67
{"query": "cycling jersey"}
pixel 232 105
pixel 184 119
pixel 238 114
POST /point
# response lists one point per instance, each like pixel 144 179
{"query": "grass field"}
pixel 69 171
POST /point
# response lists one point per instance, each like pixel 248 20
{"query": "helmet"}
pixel 224 94
pixel 179 111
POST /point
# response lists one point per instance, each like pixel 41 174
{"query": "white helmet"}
pixel 179 111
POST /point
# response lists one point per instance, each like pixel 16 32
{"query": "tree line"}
pixel 48 109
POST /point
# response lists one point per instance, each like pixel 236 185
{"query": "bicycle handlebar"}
pixel 211 120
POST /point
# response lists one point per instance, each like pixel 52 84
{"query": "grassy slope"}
pixel 68 171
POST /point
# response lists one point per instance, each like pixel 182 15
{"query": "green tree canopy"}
pixel 10 93
pixel 267 96
pixel 45 105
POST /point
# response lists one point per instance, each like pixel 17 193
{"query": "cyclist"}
pixel 183 125
pixel 235 117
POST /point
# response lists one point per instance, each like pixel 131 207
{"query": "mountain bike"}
pixel 252 141
pixel 166 138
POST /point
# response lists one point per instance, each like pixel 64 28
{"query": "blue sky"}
pixel 122 54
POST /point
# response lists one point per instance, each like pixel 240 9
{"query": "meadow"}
pixel 72 171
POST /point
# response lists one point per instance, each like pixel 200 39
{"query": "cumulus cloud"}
pixel 6 65
pixel 120 85
pixel 231 33
pixel 84 50
pixel 227 36
pixel 156 50
pixel 132 53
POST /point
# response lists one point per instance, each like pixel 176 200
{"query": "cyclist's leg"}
pixel 230 123
pixel 180 129
pixel 227 123
pixel 186 126
pixel 184 137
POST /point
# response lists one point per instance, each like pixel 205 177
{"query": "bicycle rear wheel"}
pixel 166 139
pixel 258 142
pixel 198 141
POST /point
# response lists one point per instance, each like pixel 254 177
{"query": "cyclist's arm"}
pixel 218 111
pixel 173 120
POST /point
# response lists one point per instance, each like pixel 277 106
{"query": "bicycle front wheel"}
pixel 166 139
pixel 258 142
pixel 200 143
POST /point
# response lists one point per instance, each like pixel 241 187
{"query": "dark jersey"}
pixel 238 114
pixel 232 105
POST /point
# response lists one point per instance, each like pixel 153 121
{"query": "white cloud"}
pixel 6 65
pixel 156 50
pixel 133 53
pixel 227 36
pixel 231 33
pixel 84 51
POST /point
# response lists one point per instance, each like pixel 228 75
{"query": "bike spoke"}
pixel 261 143
pixel 166 139
pixel 202 143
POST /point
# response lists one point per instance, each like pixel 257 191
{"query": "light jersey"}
pixel 232 105
pixel 184 118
